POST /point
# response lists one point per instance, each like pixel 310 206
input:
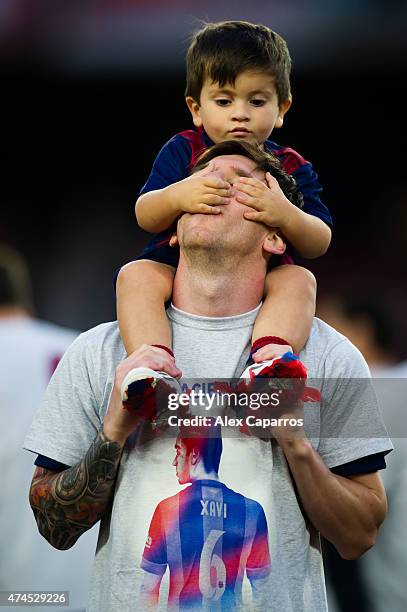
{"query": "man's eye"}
pixel 222 101
pixel 257 102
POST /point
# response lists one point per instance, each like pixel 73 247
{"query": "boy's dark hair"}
pixel 221 51
pixel 264 161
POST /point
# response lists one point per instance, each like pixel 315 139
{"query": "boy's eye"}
pixel 257 102
pixel 222 101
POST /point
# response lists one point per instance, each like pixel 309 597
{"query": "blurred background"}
pixel 92 89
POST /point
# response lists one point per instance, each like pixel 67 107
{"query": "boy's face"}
pixel 248 110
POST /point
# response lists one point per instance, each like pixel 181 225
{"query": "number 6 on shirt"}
pixel 211 563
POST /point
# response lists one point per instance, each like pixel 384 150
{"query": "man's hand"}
pixel 293 411
pixel 202 192
pixel 291 432
pixel 120 423
pixel 270 205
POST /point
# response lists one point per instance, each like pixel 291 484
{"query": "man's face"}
pixel 181 462
pixel 228 230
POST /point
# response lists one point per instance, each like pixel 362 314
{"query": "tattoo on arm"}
pixel 68 503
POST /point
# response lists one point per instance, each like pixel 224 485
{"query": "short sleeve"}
pixel 155 555
pixel 306 178
pixel 308 183
pixel 171 164
pixel 258 562
pixel 365 465
pixel 351 424
pixel 69 417
pixel 50 464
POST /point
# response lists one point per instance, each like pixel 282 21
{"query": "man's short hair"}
pixel 15 286
pixel 264 161
pixel 207 440
pixel 221 51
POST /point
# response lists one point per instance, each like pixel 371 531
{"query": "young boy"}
pixel 238 87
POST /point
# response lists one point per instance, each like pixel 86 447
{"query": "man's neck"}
pixel 219 292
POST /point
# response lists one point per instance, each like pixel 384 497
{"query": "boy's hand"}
pixel 269 202
pixel 269 351
pixel 200 193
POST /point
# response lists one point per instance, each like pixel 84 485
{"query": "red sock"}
pixel 165 348
pixel 264 340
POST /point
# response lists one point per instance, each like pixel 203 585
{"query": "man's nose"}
pixel 241 111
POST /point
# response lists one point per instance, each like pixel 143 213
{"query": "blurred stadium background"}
pixel 92 89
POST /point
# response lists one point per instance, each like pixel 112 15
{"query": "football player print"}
pixel 207 535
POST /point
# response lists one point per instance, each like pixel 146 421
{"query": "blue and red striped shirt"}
pixel 176 159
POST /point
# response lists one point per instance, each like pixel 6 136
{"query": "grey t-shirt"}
pixel 205 348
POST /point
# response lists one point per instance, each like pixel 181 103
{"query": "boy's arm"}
pixel 157 210
pixel 309 235
pixel 165 195
pixel 153 211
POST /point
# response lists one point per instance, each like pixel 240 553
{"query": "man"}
pixel 119 476
pixel 205 530
pixel 30 351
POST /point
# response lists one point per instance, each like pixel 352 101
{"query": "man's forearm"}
pixel 346 512
pixel 68 503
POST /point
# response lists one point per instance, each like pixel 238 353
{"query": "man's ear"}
pixel 274 243
pixel 195 111
pixel 283 108
pixel 174 240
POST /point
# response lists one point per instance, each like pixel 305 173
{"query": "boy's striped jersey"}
pixel 175 160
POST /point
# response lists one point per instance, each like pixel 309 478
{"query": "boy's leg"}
pixel 142 289
pixel 283 324
pixel 287 312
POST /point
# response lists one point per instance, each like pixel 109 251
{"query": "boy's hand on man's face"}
pixel 270 205
pixel 200 194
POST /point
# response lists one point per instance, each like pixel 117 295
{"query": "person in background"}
pixel 30 351
pixel 376 582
